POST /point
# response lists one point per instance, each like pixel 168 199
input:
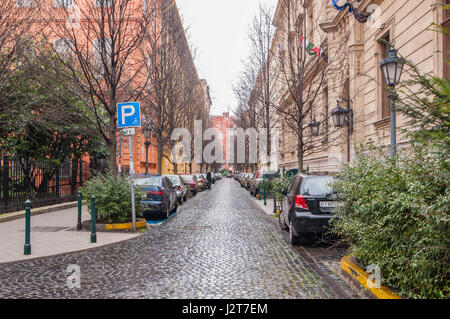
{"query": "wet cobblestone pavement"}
pixel 218 245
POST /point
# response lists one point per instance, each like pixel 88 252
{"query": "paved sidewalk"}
pixel 51 234
pixel 268 209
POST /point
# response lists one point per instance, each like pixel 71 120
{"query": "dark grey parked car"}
pixel 160 199
pixel 308 206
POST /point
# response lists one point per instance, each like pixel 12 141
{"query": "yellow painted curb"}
pixel 350 267
pixel 125 226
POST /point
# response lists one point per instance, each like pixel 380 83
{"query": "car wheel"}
pixel 176 207
pixel 281 222
pixel 294 239
pixel 167 212
pixel 185 198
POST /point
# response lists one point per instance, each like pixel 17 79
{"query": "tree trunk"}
pixel 300 155
pixel 112 145
pixel 160 156
pixel 74 175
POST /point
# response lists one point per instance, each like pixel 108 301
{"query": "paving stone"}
pixel 218 245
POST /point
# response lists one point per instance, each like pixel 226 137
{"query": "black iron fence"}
pixel 42 184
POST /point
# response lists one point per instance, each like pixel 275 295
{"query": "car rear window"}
pixel 187 178
pixel 315 186
pixel 173 179
pixel 148 181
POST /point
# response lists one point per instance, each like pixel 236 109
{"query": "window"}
pixel 149 70
pixel 317 186
pixel 63 3
pixel 325 111
pixel 63 46
pixel 385 106
pixel 446 47
pixel 103 3
pixel 101 55
pixel 24 3
pixel 309 19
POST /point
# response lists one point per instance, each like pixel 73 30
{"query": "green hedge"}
pixel 112 198
pixel 396 216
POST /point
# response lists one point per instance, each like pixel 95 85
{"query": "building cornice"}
pixel 333 26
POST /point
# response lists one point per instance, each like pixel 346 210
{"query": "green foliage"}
pixel 396 215
pixel 42 119
pixel 426 103
pixel 277 185
pixel 112 198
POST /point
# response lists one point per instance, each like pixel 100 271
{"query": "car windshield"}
pixel 315 186
pixel 173 179
pixel 148 181
pixel 188 178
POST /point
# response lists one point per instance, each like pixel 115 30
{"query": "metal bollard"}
pixel 80 198
pixel 265 197
pixel 93 234
pixel 27 246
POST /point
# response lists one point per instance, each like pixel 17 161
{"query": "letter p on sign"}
pixel 128 114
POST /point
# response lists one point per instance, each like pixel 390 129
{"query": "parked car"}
pixel 160 197
pixel 247 181
pixel 241 179
pixel 206 183
pixel 191 183
pixel 259 177
pixel 200 182
pixel 218 176
pixel 308 206
pixel 180 188
pixel 229 175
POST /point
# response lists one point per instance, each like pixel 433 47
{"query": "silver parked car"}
pixel 179 187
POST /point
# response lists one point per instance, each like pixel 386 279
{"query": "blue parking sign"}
pixel 128 114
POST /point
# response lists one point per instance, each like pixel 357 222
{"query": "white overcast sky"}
pixel 218 32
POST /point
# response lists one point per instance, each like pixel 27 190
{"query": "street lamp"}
pixel 314 125
pixel 339 115
pixel 392 68
pixel 146 130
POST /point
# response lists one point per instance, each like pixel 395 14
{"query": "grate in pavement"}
pixel 47 229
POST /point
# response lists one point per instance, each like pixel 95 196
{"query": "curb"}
pixel 37 211
pixel 356 272
pixel 140 223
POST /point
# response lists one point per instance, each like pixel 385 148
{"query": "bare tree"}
pixel 264 96
pixel 304 72
pixel 15 35
pixel 104 38
pixel 172 93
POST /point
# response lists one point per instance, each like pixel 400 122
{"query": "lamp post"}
pixel 392 68
pixel 146 130
pixel 341 117
pixel 314 125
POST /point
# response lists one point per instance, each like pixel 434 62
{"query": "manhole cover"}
pixel 47 229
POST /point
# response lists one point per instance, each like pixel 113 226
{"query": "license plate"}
pixel 330 204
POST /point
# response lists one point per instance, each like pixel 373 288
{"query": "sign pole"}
pixel 128 118
pixel 120 151
pixel 133 206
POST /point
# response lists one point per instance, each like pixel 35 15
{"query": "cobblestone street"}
pixel 218 245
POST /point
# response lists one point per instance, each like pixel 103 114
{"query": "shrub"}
pixel 277 185
pixel 112 198
pixel 396 216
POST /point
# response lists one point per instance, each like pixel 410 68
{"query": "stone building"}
pixel 352 74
